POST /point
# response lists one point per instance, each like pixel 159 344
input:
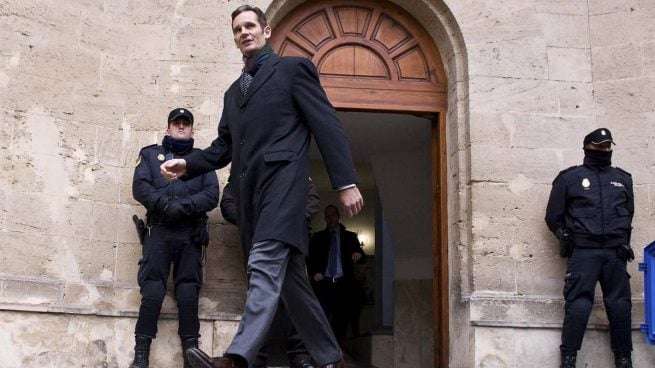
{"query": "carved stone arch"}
pixel 364 48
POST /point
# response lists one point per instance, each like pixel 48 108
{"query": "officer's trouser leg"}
pixel 187 278
pixel 583 270
pixel 152 275
pixel 615 283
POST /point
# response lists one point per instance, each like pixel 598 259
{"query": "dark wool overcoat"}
pixel 266 134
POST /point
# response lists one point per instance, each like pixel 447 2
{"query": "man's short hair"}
pixel 332 206
pixel 261 17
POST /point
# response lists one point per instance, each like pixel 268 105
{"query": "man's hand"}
pixel 356 256
pixel 318 277
pixel 350 201
pixel 173 169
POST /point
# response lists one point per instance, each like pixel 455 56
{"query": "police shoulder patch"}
pixel 146 147
pixel 623 171
pixel 138 159
pixel 564 172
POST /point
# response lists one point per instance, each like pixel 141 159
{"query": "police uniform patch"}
pixel 161 157
pixel 586 183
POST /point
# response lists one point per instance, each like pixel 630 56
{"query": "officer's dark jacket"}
pixel 196 196
pixel 594 204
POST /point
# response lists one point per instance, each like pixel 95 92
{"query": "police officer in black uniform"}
pixel 176 233
pixel 590 211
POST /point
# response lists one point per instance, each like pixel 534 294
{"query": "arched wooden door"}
pixel 374 56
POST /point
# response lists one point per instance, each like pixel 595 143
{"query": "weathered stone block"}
pixel 540 165
pixel 549 274
pixel 622 27
pixel 100 183
pixel 492 22
pixel 570 30
pixel 569 64
pixel 522 58
pixel 93 106
pixel 627 96
pixel 29 214
pixel 126 229
pixel 569 7
pixel 494 273
pixel 576 99
pixel 413 316
pixel 127 258
pixel 31 291
pixel 104 222
pixel 617 62
pixel 224 331
pixel 489 94
pixel 648 57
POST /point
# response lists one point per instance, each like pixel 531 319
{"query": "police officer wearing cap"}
pixel 176 233
pixel 590 211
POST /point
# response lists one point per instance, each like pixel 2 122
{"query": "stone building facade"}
pixel 85 84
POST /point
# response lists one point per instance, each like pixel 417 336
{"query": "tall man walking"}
pixel 269 116
pixel 590 211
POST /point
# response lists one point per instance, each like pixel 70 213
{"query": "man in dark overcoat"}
pixel 269 115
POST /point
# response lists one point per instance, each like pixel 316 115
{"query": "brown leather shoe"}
pixel 340 364
pixel 198 359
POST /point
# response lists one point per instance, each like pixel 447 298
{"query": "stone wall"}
pixel 85 84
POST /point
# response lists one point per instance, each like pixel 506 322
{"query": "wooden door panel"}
pixel 365 41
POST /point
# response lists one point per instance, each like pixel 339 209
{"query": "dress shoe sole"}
pixel 198 358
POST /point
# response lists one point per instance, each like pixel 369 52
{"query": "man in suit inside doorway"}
pixel 333 253
pixel 269 115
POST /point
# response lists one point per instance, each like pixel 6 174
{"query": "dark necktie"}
pixel 246 79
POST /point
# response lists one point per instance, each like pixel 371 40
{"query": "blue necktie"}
pixel 334 255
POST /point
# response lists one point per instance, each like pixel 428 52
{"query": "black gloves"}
pixel 160 204
pixel 565 248
pixel 179 208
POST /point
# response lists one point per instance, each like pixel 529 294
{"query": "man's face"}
pixel 606 146
pixel 249 36
pixel 180 129
pixel 331 217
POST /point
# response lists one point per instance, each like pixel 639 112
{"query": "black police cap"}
pixel 180 113
pixel 598 136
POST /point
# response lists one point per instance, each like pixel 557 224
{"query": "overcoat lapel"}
pixel 265 72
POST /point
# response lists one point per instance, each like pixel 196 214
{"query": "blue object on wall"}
pixel 648 268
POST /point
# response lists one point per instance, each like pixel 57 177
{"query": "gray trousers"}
pixel 277 273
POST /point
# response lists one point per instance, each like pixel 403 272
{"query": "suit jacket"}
pixel 319 252
pixel 266 134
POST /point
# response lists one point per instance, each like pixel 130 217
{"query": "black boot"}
pixel 623 360
pixel 568 359
pixel 187 344
pixel 141 352
pixel 301 361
